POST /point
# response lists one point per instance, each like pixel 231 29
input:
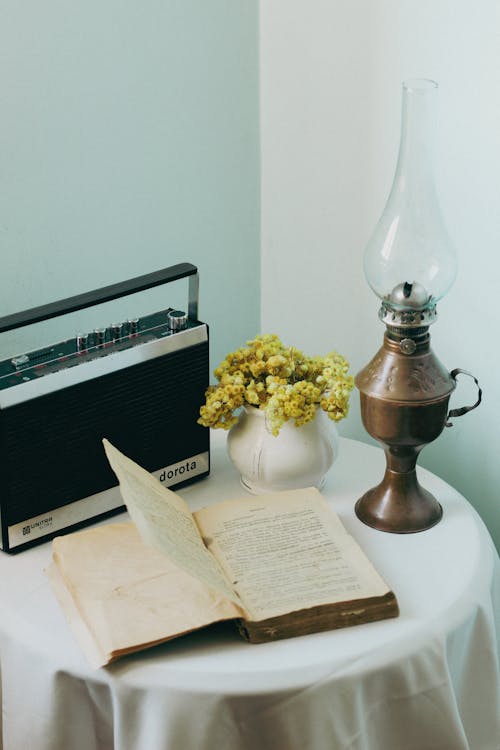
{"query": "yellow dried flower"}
pixel 279 379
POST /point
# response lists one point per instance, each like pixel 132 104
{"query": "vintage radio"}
pixel 139 383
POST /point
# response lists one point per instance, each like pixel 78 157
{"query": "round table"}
pixel 427 680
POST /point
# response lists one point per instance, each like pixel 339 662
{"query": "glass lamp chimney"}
pixel 410 262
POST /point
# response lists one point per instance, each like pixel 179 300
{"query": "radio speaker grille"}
pixel 52 451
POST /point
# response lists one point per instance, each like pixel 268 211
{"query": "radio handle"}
pixel 108 293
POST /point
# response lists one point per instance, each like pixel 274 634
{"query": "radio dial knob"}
pixel 82 341
pixel 100 336
pixel 133 326
pixel 177 320
pixel 116 330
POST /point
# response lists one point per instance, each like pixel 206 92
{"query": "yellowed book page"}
pixel 287 551
pixel 119 594
pixel 164 521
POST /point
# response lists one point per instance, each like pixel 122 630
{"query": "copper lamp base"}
pixel 404 394
pixel 399 504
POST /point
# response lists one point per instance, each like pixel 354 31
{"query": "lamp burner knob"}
pixel 407 346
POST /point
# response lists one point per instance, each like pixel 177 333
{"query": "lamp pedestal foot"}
pixel 399 504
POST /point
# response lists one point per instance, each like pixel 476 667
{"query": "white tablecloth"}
pixel 428 680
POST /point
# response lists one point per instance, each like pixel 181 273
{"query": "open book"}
pixel 280 565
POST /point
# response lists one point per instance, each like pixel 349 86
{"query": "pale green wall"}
pixel 128 142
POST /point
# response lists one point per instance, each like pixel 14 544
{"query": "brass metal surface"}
pixel 404 406
pixel 416 377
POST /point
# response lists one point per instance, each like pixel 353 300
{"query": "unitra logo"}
pixel 43 523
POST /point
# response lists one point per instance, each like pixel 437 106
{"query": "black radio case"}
pixel 139 383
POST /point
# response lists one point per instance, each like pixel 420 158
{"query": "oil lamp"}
pixel 410 264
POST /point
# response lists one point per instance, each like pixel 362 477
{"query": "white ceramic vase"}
pixel 297 457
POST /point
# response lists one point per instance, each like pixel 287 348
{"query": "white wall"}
pixel 129 142
pixel 331 73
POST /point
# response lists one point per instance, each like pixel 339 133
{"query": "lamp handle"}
pixel 463 409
